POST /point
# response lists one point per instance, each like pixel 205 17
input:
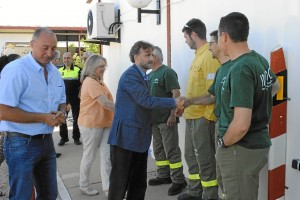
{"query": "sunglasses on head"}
pixel 188 27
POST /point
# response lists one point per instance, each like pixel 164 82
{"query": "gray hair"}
pixel 158 53
pixel 56 55
pixel 38 32
pixel 91 64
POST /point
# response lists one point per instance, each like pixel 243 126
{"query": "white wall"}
pixel 271 23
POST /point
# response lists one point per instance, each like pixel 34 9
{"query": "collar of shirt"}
pixel 143 74
pixel 36 65
pixel 201 49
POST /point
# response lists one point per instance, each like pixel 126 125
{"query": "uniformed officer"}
pixel 71 75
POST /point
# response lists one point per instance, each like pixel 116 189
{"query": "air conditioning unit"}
pixel 99 19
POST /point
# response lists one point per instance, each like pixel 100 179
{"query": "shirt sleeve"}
pixel 12 85
pixel 171 80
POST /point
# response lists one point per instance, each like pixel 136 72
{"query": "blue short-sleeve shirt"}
pixel 23 85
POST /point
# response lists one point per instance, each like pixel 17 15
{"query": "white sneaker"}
pixel 89 191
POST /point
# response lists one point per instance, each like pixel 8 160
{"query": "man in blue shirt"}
pixel 32 102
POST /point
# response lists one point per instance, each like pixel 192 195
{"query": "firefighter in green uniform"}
pixel 164 83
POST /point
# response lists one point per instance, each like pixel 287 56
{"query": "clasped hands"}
pixel 181 104
pixel 56 118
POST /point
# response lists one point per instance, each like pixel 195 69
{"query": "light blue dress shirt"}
pixel 23 85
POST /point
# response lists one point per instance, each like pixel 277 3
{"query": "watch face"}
pixel 220 143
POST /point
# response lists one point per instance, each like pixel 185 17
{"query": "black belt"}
pixel 15 134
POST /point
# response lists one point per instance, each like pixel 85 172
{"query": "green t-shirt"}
pixel 249 85
pixel 162 82
pixel 216 87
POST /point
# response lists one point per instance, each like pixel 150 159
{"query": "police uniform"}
pixel 71 78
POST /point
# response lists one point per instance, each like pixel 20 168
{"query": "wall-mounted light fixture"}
pixel 139 4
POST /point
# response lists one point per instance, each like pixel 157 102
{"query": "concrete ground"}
pixel 68 174
pixel 68 170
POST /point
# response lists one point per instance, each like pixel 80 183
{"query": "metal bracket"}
pixel 157 11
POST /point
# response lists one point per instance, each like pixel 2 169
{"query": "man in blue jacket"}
pixel 130 134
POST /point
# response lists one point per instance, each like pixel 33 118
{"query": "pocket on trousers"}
pixel 16 142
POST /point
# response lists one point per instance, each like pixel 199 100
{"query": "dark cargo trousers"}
pixel 167 152
pixel 240 169
pixel 200 158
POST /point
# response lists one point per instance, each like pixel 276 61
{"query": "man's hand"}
pixel 55 118
pixel 179 106
pixel 171 120
pixel 187 102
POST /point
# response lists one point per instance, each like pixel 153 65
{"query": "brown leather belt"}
pixel 33 137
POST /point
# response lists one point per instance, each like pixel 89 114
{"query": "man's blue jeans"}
pixel 31 162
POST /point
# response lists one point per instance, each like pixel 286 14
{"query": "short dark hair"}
pixel 4 60
pixel 236 25
pixel 197 26
pixel 214 34
pixel 135 49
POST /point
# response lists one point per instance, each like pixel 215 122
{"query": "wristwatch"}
pixel 221 143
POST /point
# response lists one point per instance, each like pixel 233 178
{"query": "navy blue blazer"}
pixel 131 126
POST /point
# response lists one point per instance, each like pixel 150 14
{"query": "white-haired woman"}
pixel 95 119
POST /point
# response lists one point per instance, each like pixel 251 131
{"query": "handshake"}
pixel 181 104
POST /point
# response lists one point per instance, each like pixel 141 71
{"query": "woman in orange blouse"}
pixel 95 119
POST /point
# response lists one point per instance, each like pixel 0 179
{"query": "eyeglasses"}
pixel 188 27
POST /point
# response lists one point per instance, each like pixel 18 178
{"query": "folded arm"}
pixel 106 103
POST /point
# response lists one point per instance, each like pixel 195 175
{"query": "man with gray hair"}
pixel 86 55
pixel 56 58
pixel 164 83
pixel 28 119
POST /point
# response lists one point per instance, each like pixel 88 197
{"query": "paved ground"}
pixel 4 180
pixel 68 175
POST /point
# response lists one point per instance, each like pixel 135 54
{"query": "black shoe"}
pixel 58 155
pixel 186 196
pixel 77 142
pixel 176 188
pixel 159 181
pixel 62 142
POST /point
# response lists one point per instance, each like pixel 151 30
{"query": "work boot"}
pixel 159 181
pixel 186 196
pixel 176 188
